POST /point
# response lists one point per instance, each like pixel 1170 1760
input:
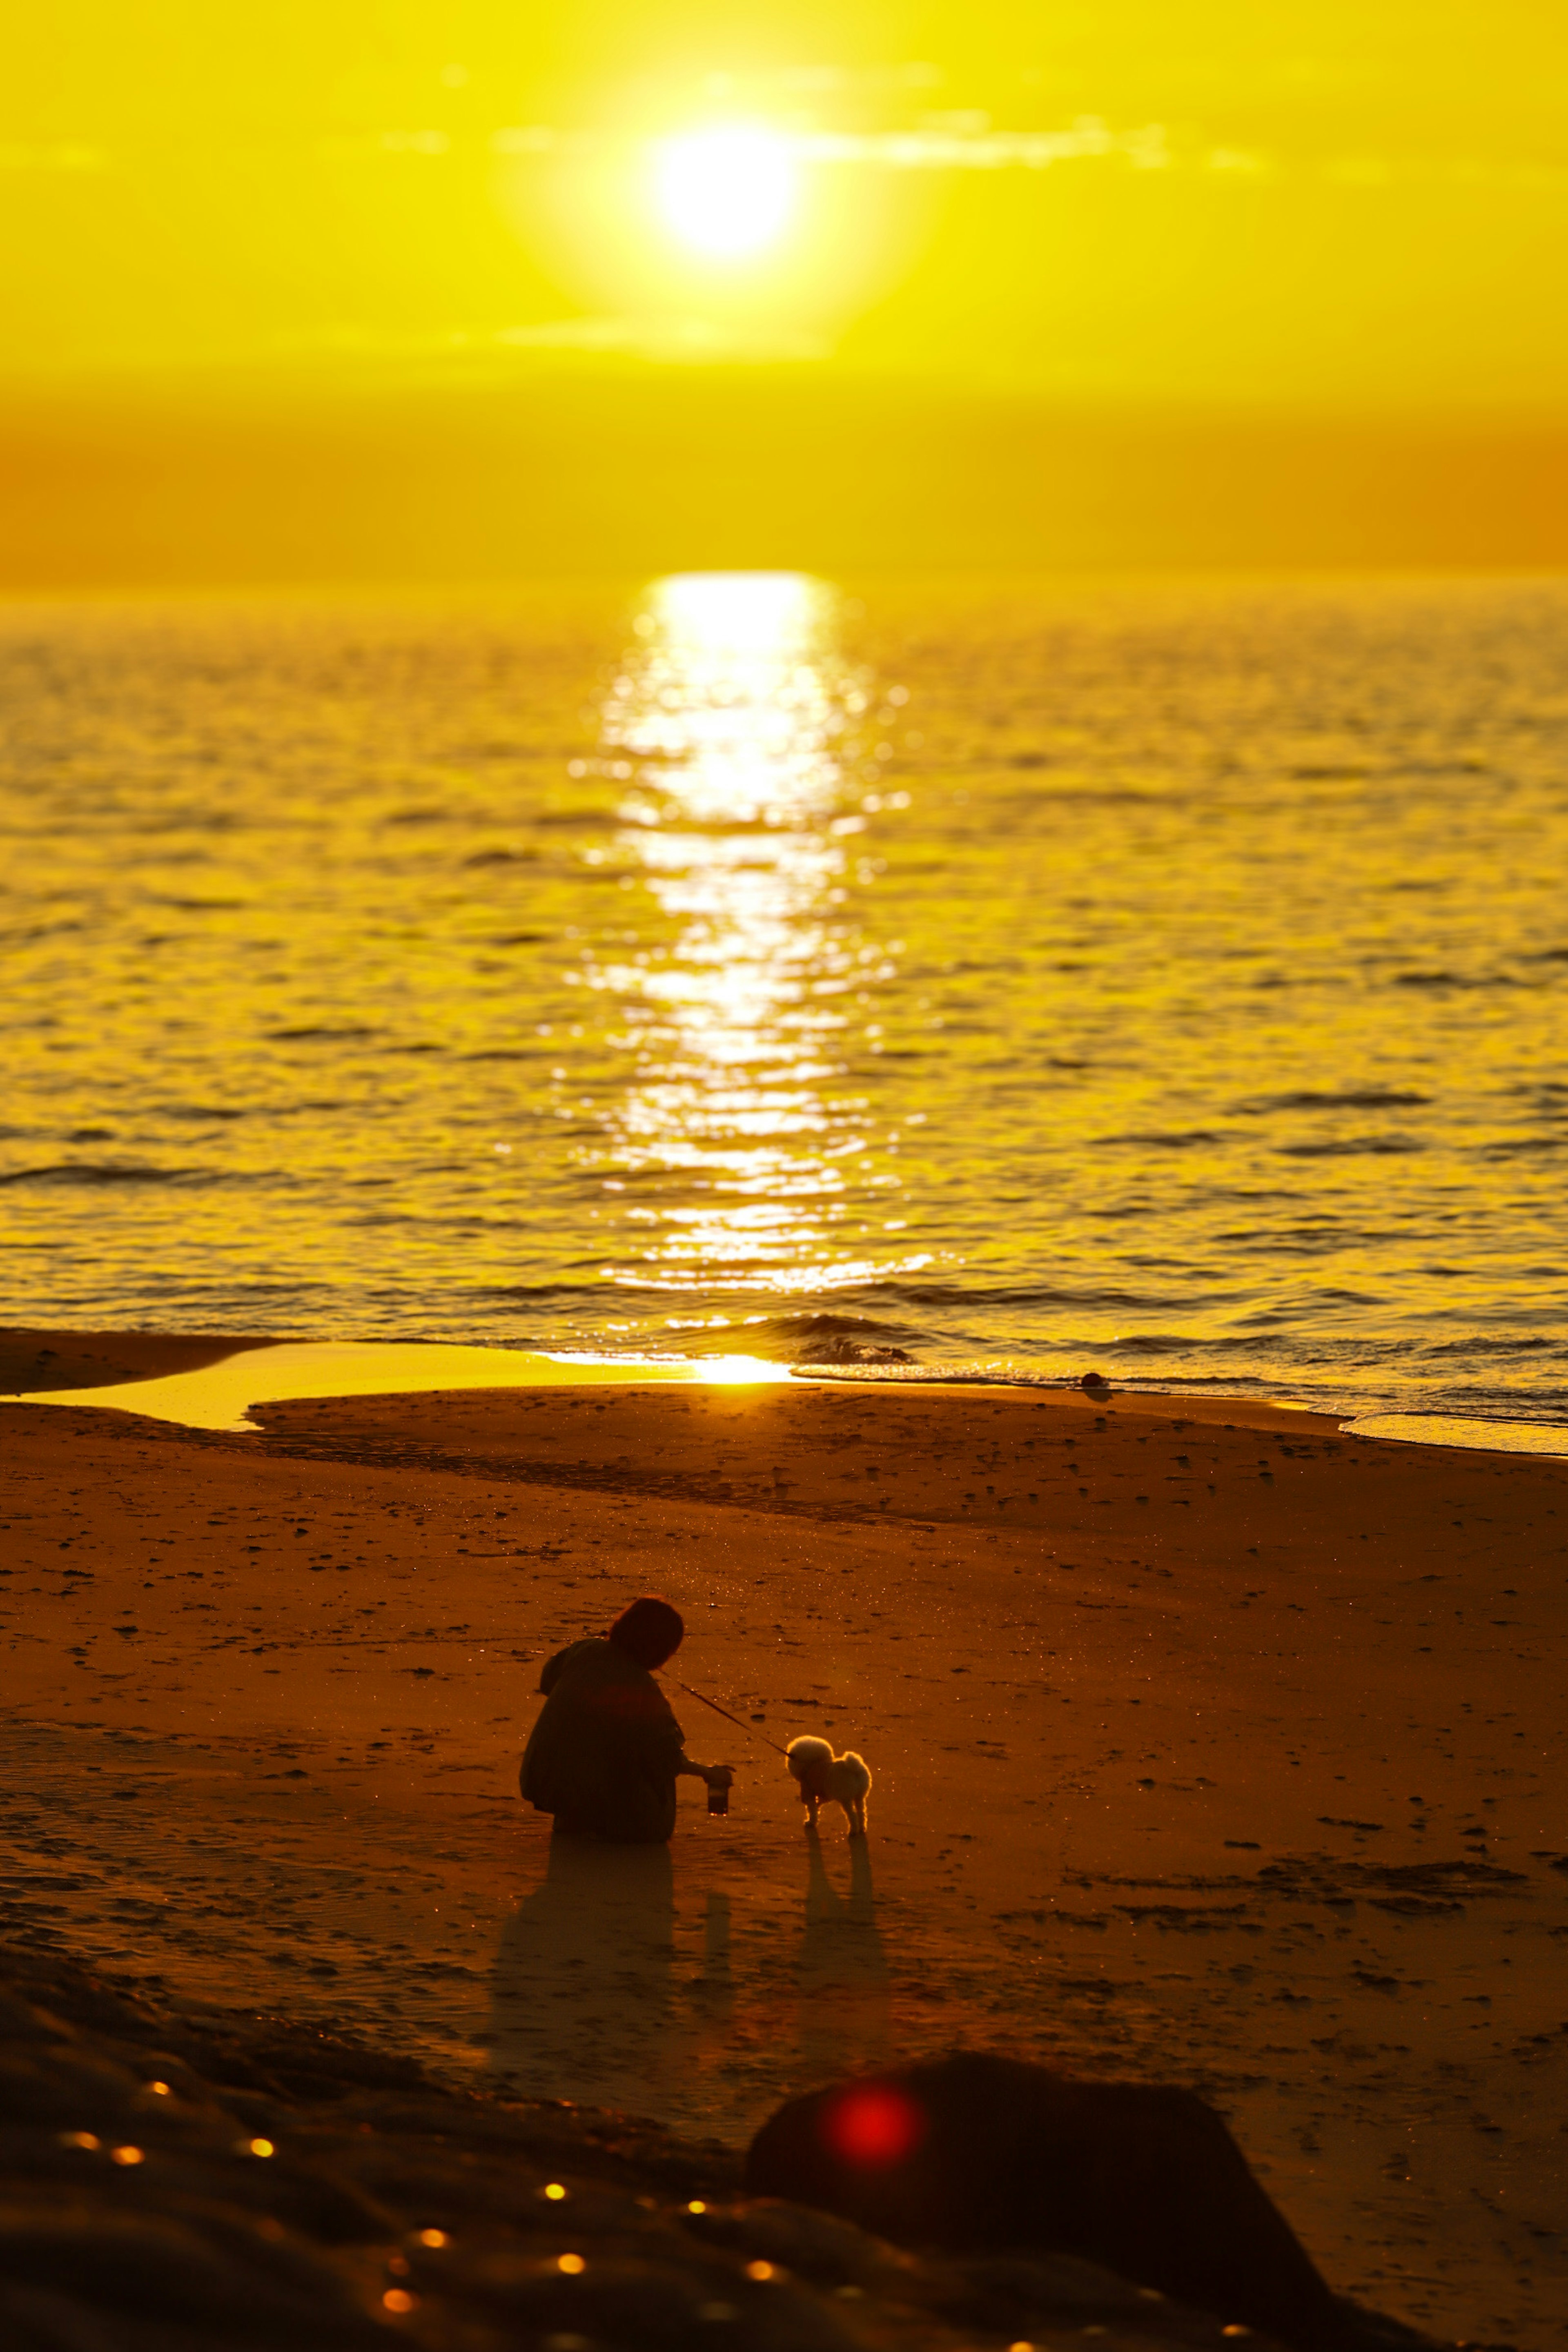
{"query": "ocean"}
pixel 1164 978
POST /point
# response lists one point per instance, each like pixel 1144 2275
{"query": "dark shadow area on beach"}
pixel 583 1993
pixel 843 1967
pixel 33 1362
pixel 593 1997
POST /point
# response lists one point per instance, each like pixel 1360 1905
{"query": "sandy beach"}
pixel 1210 1745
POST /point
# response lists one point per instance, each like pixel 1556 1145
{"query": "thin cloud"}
pixel 957 143
pixel 69 156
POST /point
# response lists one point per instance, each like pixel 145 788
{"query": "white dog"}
pixel 826 1778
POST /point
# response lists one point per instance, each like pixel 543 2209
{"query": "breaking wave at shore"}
pixel 1162 979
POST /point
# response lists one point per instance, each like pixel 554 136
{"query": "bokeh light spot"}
pixel 874 2125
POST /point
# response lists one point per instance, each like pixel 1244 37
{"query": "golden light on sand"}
pixel 726 191
pixel 733 1371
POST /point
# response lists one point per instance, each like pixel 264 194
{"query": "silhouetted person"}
pixel 606 1752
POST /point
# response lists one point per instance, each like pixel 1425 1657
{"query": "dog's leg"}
pixel 856 1811
pixel 811 1806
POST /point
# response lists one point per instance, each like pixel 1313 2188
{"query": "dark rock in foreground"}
pixel 977 2153
pixel 177 2179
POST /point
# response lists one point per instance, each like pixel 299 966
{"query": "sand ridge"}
pixel 1149 1700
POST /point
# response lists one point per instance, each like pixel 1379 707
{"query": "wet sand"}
pixel 1209 1745
pixel 36 1360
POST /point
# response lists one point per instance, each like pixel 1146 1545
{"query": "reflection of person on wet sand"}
pixel 582 1994
pixel 606 1752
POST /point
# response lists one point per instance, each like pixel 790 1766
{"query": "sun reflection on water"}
pixel 733 712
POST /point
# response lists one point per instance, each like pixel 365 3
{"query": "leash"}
pixel 749 1728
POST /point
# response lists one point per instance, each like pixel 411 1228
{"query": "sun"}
pixel 726 192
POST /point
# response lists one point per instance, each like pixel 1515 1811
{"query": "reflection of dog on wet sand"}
pixel 826 1779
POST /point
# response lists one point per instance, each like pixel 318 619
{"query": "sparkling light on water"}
pixel 732 708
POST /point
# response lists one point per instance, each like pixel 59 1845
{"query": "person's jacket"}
pixel 603 1754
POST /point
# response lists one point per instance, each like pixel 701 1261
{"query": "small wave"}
pixel 289 1036
pixel 843 1350
pixel 551 1294
pixel 833 1340
pixel 1441 768
pixel 1388 1145
pixel 1350 1098
pixel 1484 1432
pixel 1481 1346
pixel 1183 1343
pixel 87 1171
pixel 579 820
pixel 989 1371
pixel 1022 1295
pixel 1007 1371
pixel 805 1339
pixel 1453 980
pixel 1174 1139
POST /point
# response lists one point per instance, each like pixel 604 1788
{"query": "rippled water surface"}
pixel 1166 978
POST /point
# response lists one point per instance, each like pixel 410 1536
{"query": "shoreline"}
pixel 1208 1745
pixel 42 1364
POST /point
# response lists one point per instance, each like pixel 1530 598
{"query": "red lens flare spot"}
pixel 874 2125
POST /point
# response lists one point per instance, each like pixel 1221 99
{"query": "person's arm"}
pixel 715 1775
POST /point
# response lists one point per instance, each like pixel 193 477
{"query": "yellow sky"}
pixel 1333 211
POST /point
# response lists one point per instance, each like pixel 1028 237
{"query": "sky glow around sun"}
pixel 726 191
pixel 657 285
